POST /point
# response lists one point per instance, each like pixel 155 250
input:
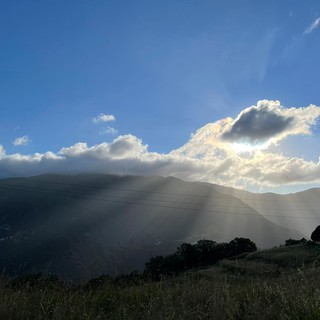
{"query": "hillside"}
pixel 301 208
pixel 262 285
pixel 81 226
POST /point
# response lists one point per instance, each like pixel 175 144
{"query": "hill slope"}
pixel 81 226
pixel 254 287
pixel 302 208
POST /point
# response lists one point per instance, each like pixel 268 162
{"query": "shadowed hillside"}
pixel 81 226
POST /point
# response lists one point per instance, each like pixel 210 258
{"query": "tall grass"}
pixel 232 290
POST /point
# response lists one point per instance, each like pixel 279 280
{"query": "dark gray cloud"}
pixel 257 125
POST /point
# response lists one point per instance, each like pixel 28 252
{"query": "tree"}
pixel 315 235
pixel 154 267
pixel 240 245
pixel 209 252
pixel 189 255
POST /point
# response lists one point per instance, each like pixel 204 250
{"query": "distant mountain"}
pixel 297 211
pixel 81 226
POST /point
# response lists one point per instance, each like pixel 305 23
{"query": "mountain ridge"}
pixel 117 221
pixel 302 206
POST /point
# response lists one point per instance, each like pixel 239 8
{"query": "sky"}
pixel 225 92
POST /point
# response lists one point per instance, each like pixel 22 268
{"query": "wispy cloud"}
pixel 314 25
pixel 21 141
pixel 109 130
pixel 104 118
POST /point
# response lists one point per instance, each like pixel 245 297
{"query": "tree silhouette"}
pixel 189 255
pixel 203 253
pixel 315 235
pixel 240 245
pixel 209 251
pixel 155 267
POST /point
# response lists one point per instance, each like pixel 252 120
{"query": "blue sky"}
pixel 164 69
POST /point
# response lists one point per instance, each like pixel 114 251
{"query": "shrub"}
pixel 292 242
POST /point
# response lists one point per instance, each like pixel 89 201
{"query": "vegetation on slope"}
pixel 255 286
pixel 79 227
pixel 201 254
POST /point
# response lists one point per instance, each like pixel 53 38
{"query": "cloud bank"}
pixel 211 154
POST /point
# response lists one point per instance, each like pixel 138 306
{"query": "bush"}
pixel 292 242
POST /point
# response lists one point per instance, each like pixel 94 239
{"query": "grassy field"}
pixel 280 283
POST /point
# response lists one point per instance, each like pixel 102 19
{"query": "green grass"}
pixel 291 256
pixel 280 283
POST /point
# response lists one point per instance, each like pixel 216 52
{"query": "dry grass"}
pixel 218 293
pixel 256 287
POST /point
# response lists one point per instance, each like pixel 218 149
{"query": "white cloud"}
pixel 109 130
pixel 127 146
pixel 104 118
pixel 207 156
pixel 314 25
pixel 219 139
pixel 2 151
pixel 21 141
